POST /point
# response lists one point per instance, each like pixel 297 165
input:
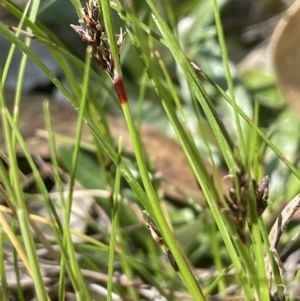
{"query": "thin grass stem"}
pixel 114 226
pixel 67 243
pixel 228 75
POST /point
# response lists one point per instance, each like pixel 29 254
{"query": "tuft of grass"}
pixel 118 258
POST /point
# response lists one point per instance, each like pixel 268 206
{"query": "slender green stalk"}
pixel 21 73
pixel 58 183
pixel 67 239
pixel 259 246
pixel 114 225
pixel 75 275
pixel 83 102
pixel 225 60
pixel 54 160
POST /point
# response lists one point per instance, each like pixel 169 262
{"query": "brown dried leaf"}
pixel 283 220
pixel 278 228
pixel 285 46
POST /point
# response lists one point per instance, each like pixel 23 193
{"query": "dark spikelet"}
pixel 156 235
pixel 93 34
pixel 237 200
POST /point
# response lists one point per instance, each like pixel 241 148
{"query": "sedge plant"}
pixel 231 214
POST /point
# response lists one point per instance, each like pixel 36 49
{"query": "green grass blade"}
pixel 219 130
pixel 225 60
pixel 197 167
pixel 78 282
pixel 252 124
pixel 68 206
pixel 21 73
pixel 114 226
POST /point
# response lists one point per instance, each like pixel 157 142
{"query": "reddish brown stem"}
pixel 120 89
